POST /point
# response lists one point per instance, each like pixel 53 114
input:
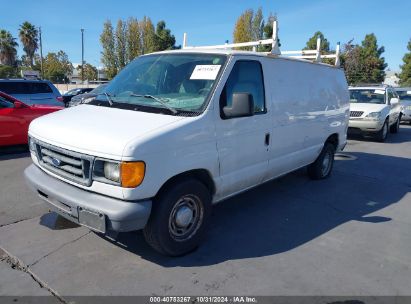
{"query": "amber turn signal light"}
pixel 132 173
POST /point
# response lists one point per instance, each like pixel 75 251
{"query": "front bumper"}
pixel 95 211
pixel 366 126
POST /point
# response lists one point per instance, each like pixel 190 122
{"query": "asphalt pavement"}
pixel 349 235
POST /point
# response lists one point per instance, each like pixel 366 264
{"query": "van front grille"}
pixel 70 165
pixel 356 113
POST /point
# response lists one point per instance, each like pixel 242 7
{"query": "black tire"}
pixel 322 168
pixel 163 227
pixel 395 128
pixel 381 135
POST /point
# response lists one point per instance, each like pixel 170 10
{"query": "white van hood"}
pixel 367 107
pixel 96 130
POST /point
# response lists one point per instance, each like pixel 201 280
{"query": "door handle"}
pixel 267 139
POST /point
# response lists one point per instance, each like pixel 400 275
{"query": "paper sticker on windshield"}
pixel 408 92
pixel 205 72
pixel 379 92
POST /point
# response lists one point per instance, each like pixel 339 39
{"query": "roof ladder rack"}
pixel 275 49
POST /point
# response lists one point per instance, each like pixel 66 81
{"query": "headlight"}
pixel 374 115
pixel 124 174
pixel 112 171
pixel 32 145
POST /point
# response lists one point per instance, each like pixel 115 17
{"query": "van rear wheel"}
pixel 323 165
pixel 179 217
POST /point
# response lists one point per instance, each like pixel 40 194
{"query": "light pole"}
pixel 82 56
pixel 41 54
pixel 98 70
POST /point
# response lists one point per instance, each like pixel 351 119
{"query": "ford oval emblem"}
pixel 56 162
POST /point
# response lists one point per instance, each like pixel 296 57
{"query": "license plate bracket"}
pixel 92 219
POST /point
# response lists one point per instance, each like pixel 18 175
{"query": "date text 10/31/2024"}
pixel 203 299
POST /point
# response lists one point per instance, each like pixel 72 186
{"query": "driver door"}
pixel 243 142
pixel 9 131
pixel 394 108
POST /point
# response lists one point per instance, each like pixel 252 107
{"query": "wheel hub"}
pixel 326 163
pixel 184 216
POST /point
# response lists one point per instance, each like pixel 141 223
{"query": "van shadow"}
pixel 286 213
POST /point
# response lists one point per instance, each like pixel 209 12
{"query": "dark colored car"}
pixel 74 92
pixel 15 117
pixel 31 92
pixel 76 100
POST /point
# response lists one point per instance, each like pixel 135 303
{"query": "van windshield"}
pixel 178 83
pixel 367 96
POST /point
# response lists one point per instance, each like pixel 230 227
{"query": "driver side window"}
pixel 390 95
pixel 245 77
pixel 5 104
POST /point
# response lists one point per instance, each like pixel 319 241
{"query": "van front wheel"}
pixel 179 218
pixel 323 165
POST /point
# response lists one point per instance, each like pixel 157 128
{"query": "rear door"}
pixel 13 123
pixel 41 93
pixel 243 142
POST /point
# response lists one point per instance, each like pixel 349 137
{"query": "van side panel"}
pixel 309 102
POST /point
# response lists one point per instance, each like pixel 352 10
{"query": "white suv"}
pixel 374 110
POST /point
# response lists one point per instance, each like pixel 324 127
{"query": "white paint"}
pixel 305 102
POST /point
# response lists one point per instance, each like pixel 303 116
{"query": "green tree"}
pixel 257 25
pixel 164 39
pixel 29 38
pixel 312 43
pixel 133 39
pixel 374 64
pixel 268 32
pixel 90 71
pixel 352 63
pixel 57 67
pixel 7 71
pixel 8 51
pixel 121 44
pixel 148 36
pixel 405 75
pixel 243 29
pixel 108 56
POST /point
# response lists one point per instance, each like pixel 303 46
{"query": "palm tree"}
pixel 8 45
pixel 29 38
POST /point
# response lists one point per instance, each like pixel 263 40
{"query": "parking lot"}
pixel 349 235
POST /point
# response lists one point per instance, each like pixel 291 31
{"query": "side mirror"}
pixel 394 100
pixel 18 105
pixel 242 106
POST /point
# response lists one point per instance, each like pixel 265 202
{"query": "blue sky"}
pixel 212 21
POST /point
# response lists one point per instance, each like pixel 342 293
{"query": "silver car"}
pixel 405 98
pixel 31 92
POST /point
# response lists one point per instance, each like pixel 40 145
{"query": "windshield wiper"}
pixel 108 98
pixel 159 100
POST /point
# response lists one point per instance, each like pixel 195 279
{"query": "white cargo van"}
pixel 178 131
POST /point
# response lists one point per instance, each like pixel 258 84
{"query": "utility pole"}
pixel 41 54
pixel 82 56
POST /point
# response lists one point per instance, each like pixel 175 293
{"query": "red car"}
pixel 15 117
